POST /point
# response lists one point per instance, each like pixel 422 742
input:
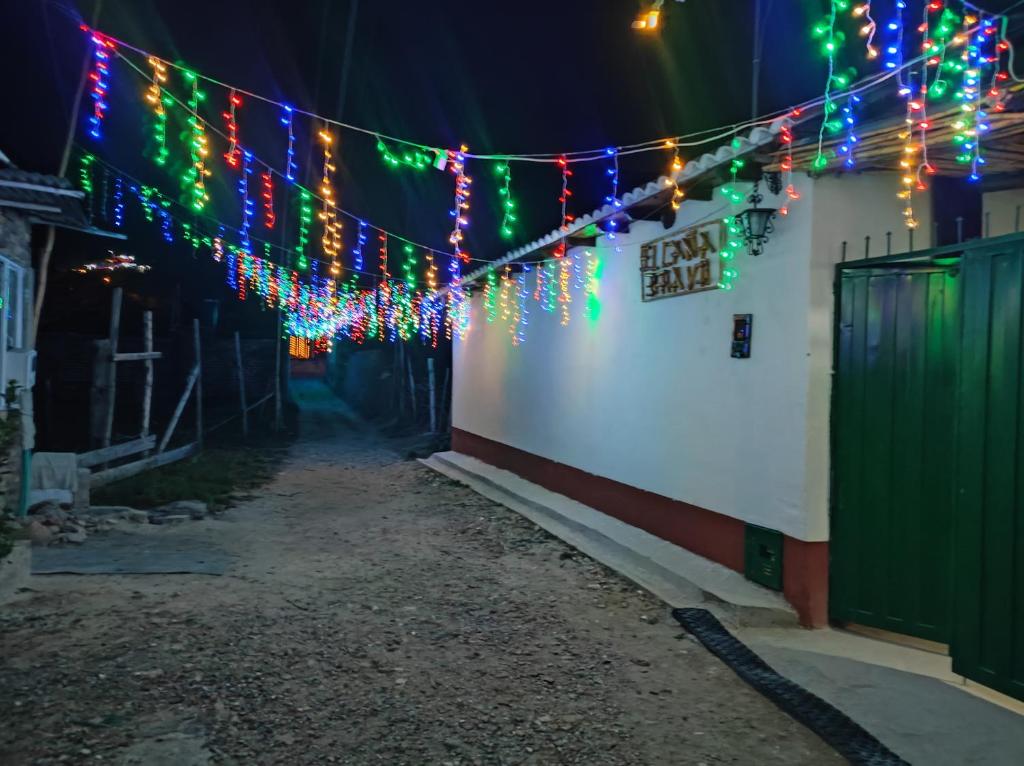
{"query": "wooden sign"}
pixel 682 263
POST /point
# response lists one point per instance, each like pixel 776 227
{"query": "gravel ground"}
pixel 376 613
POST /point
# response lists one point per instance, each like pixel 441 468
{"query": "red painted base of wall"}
pixel 706 533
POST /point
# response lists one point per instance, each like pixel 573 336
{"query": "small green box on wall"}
pixel 762 556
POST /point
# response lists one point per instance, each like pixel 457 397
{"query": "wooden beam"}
pixel 256 404
pixel 179 408
pixel 138 356
pixel 146 464
pixel 106 454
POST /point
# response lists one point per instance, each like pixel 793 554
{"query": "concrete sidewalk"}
pixel 909 698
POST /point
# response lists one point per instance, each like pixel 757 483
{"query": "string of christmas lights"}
pixel 305 221
pixel 508 205
pixel 156 99
pixel 99 76
pixel 310 309
pixel 287 119
pixel 613 197
pixel 198 146
pixel 563 200
pixel 233 155
pixel 331 240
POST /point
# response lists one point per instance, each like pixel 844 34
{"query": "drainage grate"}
pixel 848 738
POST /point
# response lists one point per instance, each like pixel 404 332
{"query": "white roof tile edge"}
pixel 759 136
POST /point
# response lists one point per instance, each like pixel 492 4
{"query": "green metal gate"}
pixel 928 453
pixel 988 636
pixel 893 447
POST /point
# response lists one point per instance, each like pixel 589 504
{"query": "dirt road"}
pixel 375 613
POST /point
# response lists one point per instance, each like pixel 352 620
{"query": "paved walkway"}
pixel 374 613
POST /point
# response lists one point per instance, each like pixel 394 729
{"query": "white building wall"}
pixel 1000 210
pixel 648 395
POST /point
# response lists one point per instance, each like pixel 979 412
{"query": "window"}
pixel 12 293
pixel 13 284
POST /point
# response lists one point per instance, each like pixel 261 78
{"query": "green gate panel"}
pixel 989 635
pixel 893 449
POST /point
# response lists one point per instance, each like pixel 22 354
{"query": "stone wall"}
pixel 15 245
pixel 15 238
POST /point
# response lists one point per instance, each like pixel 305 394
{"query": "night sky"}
pixel 529 76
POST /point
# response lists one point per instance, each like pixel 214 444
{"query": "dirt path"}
pixel 376 613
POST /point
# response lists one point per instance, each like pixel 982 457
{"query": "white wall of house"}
pixel 1000 209
pixel 647 393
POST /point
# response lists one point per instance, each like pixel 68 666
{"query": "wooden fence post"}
pixel 115 329
pixel 241 384
pixel 199 382
pixel 147 391
pixel 412 388
pixel 277 373
pixel 446 410
pixel 433 396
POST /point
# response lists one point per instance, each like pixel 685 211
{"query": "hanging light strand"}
pixel 103 48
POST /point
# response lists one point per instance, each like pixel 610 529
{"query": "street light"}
pixel 649 20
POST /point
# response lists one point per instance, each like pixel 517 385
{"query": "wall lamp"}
pixel 756 223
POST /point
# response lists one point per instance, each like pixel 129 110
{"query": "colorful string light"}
pixel 908 163
pixel 849 118
pixel 508 205
pixel 331 240
pixel 357 252
pixel 786 165
pixel 247 206
pixel 613 198
pixel 672 179
pixel 198 146
pixel 287 119
pixel 267 193
pixel 868 28
pixel 233 155
pixel 563 199
pixel 305 221
pixel 85 164
pixel 732 245
pixel 118 202
pixel 99 76
pixel 832 40
pixel 520 319
pixel 159 103
pixel 410 157
pixel 461 207
pixel 490 296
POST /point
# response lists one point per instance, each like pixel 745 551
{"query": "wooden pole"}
pixel 178 409
pixel 115 329
pixel 397 368
pixel 147 391
pixel 445 407
pixel 51 232
pixel 278 412
pixel 241 384
pixel 98 392
pixel 412 386
pixel 432 392
pixel 199 381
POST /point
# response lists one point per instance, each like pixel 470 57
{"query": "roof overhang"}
pixel 645 199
